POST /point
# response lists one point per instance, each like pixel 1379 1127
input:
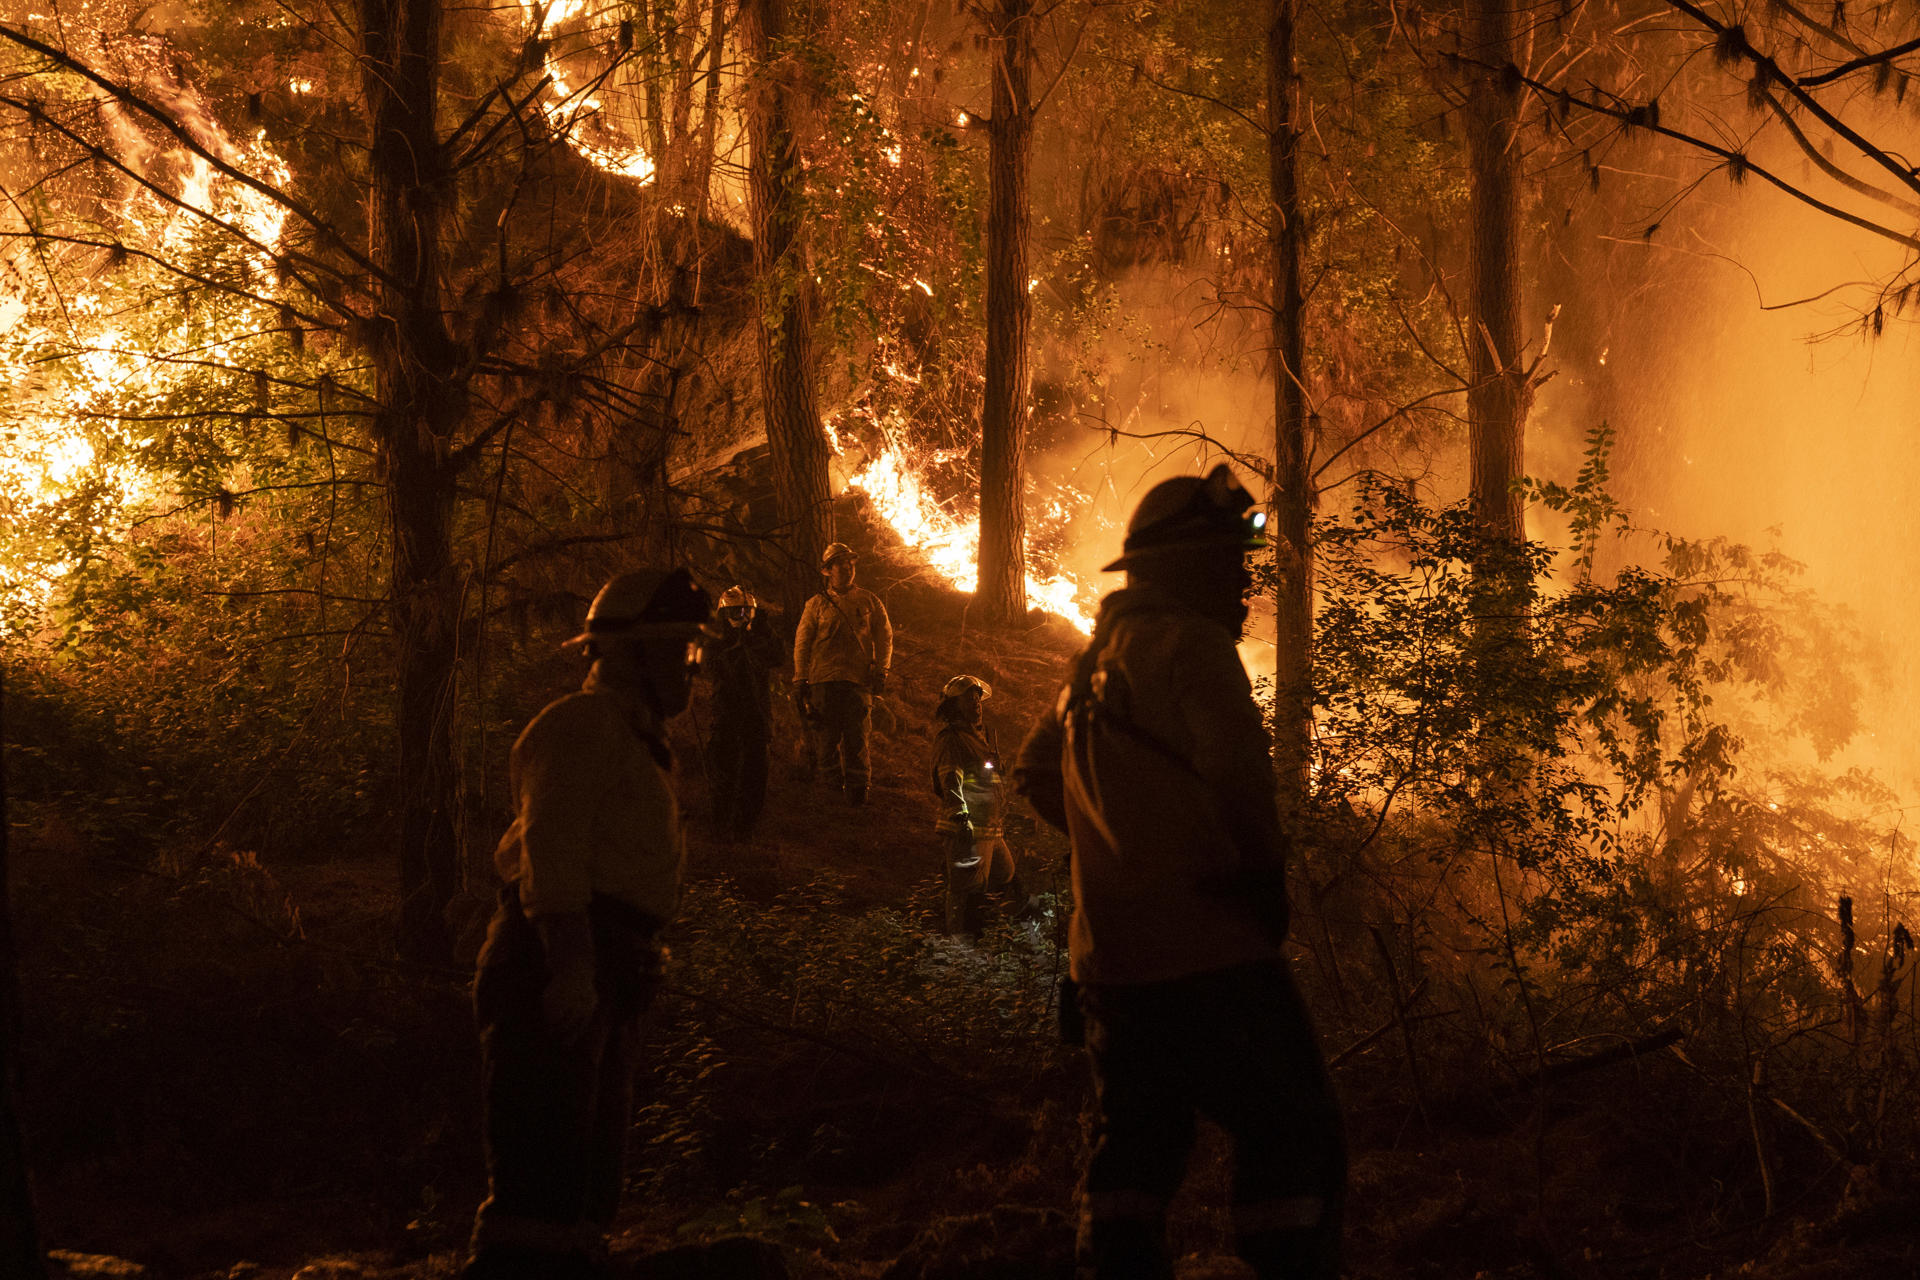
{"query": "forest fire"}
pixel 898 490
pixel 351 355
pixel 575 114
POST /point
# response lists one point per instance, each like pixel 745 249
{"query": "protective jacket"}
pixel 595 813
pixel 739 662
pixel 966 778
pixel 843 636
pixel 1154 759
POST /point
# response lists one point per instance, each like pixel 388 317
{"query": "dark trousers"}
pixel 1236 1046
pixel 557 1111
pixel 842 712
pixel 737 772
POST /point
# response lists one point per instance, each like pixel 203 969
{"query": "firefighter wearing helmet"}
pixel 1155 760
pixel 740 661
pixel 590 871
pixel 967 787
pixel 841 654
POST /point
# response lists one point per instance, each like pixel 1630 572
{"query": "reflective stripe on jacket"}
pixel 966 778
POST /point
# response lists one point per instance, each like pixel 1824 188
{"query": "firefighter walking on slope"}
pixel 841 654
pixel 968 790
pixel 741 661
pixel 1155 760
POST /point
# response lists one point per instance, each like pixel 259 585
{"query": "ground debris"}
pixel 1008 1242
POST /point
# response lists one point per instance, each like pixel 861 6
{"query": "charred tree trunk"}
pixel 418 409
pixel 1003 416
pixel 795 440
pixel 1497 398
pixel 20 1253
pixel 1292 482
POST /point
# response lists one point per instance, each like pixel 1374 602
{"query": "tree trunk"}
pixel 1003 417
pixel 795 439
pixel 20 1253
pixel 418 409
pixel 1292 483
pixel 1497 398
pixel 700 181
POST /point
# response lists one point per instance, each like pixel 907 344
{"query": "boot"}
pixel 856 793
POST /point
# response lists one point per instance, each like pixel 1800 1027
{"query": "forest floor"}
pixel 227 1074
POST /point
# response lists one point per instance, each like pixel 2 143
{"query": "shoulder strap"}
pixel 866 641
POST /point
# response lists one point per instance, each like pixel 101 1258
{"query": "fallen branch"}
pixel 1557 1071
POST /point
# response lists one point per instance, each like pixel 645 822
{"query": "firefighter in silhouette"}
pixel 591 870
pixel 968 789
pixel 741 660
pixel 1155 760
pixel 841 654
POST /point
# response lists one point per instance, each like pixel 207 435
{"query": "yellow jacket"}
pixel 843 635
pixel 594 810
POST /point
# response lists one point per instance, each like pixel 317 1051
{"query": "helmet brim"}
pixel 646 631
pixel 1239 546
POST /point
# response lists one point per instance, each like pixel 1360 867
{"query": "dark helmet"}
pixel 666 603
pixel 835 552
pixel 1193 513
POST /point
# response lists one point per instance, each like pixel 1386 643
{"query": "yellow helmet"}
pixel 960 684
pixel 737 597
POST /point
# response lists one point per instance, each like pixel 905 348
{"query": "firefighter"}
pixel 1155 760
pixel 741 661
pixel 966 771
pixel 841 654
pixel 591 871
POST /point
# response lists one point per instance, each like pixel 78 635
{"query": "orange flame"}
pixel 950 544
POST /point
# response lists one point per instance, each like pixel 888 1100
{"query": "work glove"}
pixel 877 681
pixel 569 999
pixel 800 701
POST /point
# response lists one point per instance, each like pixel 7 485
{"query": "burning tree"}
pixel 457 332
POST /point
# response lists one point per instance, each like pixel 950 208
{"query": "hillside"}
pixel 228 1077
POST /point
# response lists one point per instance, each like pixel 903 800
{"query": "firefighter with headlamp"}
pixel 968 789
pixel 1155 760
pixel 842 651
pixel 590 869
pixel 740 662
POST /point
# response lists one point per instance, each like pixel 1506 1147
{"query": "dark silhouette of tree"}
pixel 1292 448
pixel 1004 409
pixel 795 439
pixel 20 1253
pixel 1497 392
pixel 418 411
